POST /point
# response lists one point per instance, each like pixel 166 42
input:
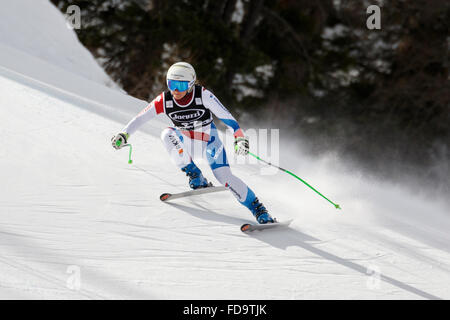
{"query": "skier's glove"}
pixel 241 146
pixel 119 140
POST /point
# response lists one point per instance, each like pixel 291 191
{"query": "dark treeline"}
pixel 381 96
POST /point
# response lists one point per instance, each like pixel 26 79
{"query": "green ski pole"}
pixel 306 183
pixel 131 150
pixel 129 155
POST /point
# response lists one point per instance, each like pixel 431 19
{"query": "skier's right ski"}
pixel 171 196
pixel 248 227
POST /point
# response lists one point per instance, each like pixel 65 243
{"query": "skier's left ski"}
pixel 171 196
pixel 248 227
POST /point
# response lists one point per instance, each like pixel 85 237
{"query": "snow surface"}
pixel 78 222
pixel 37 27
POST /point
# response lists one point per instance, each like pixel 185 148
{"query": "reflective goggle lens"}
pixel 178 85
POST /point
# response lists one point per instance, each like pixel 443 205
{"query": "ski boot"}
pixel 260 212
pixel 196 179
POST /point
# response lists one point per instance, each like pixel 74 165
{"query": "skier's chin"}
pixel 178 95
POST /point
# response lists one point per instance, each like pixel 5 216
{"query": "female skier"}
pixel 189 107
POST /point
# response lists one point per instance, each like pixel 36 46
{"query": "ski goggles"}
pixel 178 85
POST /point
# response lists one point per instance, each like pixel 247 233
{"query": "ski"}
pixel 171 196
pixel 248 227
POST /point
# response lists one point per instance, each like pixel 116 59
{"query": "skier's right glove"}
pixel 119 140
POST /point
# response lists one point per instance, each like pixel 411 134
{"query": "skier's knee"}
pixel 167 132
pixel 222 174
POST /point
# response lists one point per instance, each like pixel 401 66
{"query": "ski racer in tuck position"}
pixel 194 134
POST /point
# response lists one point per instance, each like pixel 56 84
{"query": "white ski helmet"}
pixel 181 71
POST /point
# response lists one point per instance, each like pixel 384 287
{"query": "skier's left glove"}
pixel 241 146
pixel 119 140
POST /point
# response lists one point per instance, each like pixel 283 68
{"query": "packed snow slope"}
pixel 78 222
pixel 37 27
